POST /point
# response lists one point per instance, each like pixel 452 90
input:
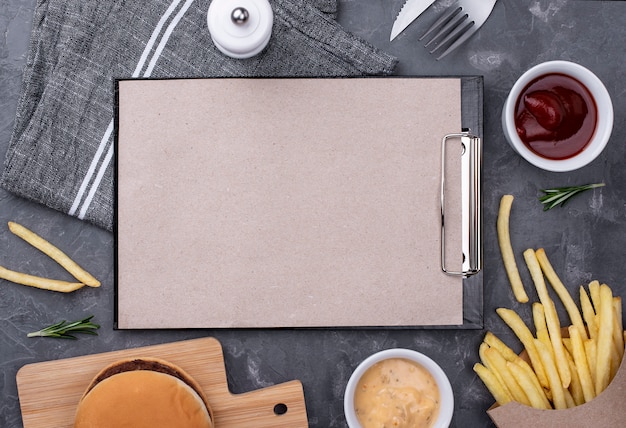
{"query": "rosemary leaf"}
pixel 64 329
pixel 560 195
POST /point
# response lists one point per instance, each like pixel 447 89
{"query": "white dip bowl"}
pixel 446 408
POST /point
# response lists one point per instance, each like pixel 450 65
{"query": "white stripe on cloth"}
pixel 166 36
pixel 92 168
pixel 106 138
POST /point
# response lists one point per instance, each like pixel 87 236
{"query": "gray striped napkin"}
pixel 61 151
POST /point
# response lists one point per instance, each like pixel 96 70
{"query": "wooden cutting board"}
pixel 49 391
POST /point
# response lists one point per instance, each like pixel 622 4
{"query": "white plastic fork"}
pixel 457 24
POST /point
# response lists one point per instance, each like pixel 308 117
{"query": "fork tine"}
pixel 454 34
pixel 450 13
pixel 457 24
pixel 457 32
pixel 471 29
pixel 451 28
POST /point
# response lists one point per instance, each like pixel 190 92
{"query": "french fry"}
pixel 605 339
pixel 569 400
pixel 582 366
pixel 494 386
pixel 495 342
pixel 618 326
pixel 533 376
pixel 506 249
pixel 589 313
pixel 615 362
pixel 513 320
pixel 488 363
pixel 556 387
pixel 481 350
pixel 499 364
pixel 541 330
pixel 618 344
pixel 616 354
pixel 575 387
pixel 591 353
pixel 561 291
pixel 536 397
pixel 39 282
pixel 552 319
pixel 54 253
pixel 594 292
pixel 567 342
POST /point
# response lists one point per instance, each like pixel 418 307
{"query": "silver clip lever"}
pixel 471 215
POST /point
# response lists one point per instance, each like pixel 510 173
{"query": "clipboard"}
pixel 298 203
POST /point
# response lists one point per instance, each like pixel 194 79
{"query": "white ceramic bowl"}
pixel 445 389
pixel 604 124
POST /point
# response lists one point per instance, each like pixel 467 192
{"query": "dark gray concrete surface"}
pixel 585 240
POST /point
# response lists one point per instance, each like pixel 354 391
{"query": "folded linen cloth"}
pixel 61 151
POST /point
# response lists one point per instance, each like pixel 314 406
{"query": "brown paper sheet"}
pixel 284 203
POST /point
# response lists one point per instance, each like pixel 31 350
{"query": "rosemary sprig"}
pixel 560 195
pixel 63 329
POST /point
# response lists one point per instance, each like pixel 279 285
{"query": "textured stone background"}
pixel 585 240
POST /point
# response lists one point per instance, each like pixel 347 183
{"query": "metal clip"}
pixel 471 216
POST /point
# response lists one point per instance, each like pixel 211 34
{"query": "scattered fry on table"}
pixel 506 249
pixel 39 282
pixel 54 253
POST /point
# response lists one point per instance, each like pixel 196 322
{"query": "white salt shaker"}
pixel 240 28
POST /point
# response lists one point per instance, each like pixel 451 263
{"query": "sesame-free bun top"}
pixel 142 393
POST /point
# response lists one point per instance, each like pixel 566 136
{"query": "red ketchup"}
pixel 555 116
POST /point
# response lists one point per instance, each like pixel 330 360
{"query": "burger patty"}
pixel 139 364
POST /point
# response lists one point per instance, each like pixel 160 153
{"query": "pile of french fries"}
pixel 84 278
pixel 565 366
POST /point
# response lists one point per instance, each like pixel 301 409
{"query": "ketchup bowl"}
pixel 401 388
pixel 558 116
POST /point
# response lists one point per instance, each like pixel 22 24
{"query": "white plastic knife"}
pixel 411 10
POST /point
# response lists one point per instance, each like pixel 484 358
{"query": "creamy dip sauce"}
pixel 396 393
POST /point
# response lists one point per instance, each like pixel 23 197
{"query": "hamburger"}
pixel 143 392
